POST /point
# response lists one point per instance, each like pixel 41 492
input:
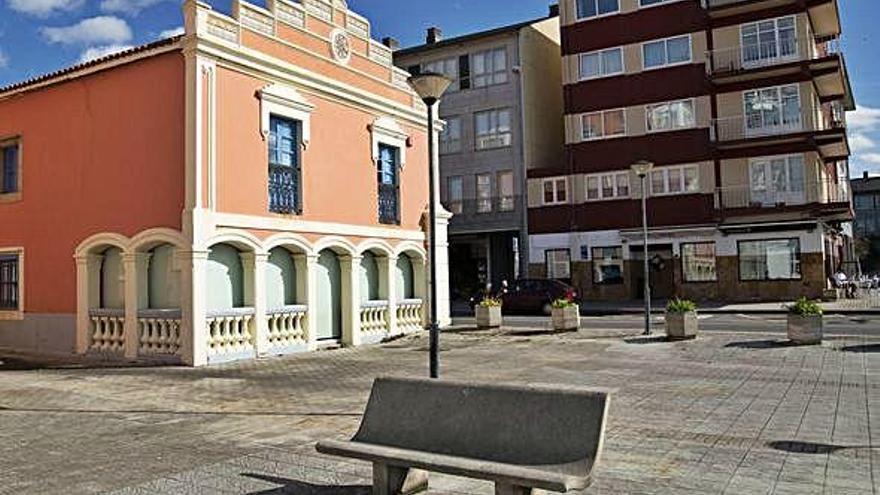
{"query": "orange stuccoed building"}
pixel 257 186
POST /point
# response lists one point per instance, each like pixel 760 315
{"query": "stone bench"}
pixel 521 437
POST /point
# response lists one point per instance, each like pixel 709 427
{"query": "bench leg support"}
pixel 393 480
pixel 508 489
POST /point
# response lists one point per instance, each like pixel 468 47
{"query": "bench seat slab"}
pixel 393 480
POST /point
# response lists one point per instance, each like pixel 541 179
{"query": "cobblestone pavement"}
pixel 729 413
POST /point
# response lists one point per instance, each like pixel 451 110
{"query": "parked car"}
pixel 533 296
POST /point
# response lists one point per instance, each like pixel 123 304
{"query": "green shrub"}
pixel 805 307
pixel 491 302
pixel 681 306
pixel 563 303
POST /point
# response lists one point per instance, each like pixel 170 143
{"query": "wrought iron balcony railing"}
pixel 389 204
pixel 764 124
pixel 742 57
pixel 283 189
pixel 776 195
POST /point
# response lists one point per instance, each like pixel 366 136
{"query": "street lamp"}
pixel 642 169
pixel 430 87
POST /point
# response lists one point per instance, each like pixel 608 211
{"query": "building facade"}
pixel 866 198
pixel 740 105
pixel 503 116
pixel 257 186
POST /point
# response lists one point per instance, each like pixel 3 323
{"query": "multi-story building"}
pixel 503 115
pixel 866 198
pixel 740 105
pixel 257 186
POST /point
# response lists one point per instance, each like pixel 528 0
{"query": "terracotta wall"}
pixel 103 153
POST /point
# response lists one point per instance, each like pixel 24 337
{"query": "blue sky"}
pixel 39 36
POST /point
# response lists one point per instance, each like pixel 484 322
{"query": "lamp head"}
pixel 642 168
pixel 430 86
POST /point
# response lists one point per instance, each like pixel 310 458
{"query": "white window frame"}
pixel 602 73
pixel 555 263
pixel 483 200
pixel 285 101
pixel 445 141
pixel 791 195
pixel 506 202
pixel 386 130
pixel 505 138
pixel 665 42
pixel 693 103
pixel 578 18
pixel 448 67
pixel 17 314
pixel 615 186
pixel 658 4
pixel 782 127
pixel 760 62
pixel 604 135
pixel 474 76
pixel 684 264
pixel 665 171
pixel 555 181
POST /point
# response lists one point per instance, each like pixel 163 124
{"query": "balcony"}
pixel 490 213
pixel 739 62
pixel 389 204
pixel 824 14
pixel 815 198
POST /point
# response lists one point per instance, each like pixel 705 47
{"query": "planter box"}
pixel 566 318
pixel 805 329
pixel 682 326
pixel 488 317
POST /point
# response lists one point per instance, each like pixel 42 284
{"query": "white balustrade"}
pixel 108 330
pixel 374 318
pixel 287 326
pixel 409 315
pixel 230 331
pixel 159 332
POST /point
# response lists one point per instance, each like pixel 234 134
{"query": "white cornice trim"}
pixel 237 221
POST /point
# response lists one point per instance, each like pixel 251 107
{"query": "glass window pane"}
pixel 456 191
pixel 659 118
pixel 614 123
pixel 622 185
pixel 612 61
pixel 658 182
pixel 691 179
pixel 587 8
pixel 679 49
pixel 561 195
pixel 592 126
pixel 592 188
pixel 698 262
pixel 608 6
pixel 548 192
pixel 503 121
pixel 482 123
pixel 590 65
pixel 675 180
pixel 654 54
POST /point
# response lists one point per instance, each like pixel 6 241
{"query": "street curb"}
pixel 722 311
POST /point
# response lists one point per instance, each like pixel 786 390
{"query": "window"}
pixel 594 8
pixel 770 260
pixel 284 166
pixel 772 110
pixel 454 194
pixel 777 180
pixel 450 138
pixel 555 191
pixel 670 51
pixel 489 67
pixel 389 185
pixel 492 129
pixel 484 193
pixel 698 262
pixel 10 174
pixel 606 124
pixel 601 64
pixel 607 186
pixel 558 263
pixel 675 180
pixel 608 265
pixel 505 191
pixel 670 116
pixel 651 3
pixel 10 281
pixel 769 41
pixel 448 67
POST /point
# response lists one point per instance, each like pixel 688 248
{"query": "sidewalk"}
pixel 869 306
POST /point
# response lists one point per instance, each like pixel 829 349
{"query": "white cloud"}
pixel 43 8
pixel 859 142
pixel 864 118
pixel 4 60
pixel 127 7
pixel 170 33
pixel 873 158
pixel 106 30
pixel 96 52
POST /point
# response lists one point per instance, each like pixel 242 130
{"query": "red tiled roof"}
pixel 91 63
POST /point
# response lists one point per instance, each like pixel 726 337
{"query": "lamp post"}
pixel 430 87
pixel 642 169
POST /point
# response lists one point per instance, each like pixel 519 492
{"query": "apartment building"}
pixel 740 105
pixel 257 186
pixel 866 198
pixel 503 116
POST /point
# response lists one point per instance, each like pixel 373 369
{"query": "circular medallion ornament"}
pixel 340 46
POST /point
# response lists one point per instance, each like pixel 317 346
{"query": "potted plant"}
pixel 488 312
pixel 566 315
pixel 681 320
pixel 805 322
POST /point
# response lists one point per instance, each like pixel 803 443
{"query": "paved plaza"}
pixel 729 413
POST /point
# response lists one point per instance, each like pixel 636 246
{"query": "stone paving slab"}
pixel 728 413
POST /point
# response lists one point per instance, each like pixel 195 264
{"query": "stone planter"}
pixel 566 318
pixel 805 329
pixel 488 316
pixel 682 326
